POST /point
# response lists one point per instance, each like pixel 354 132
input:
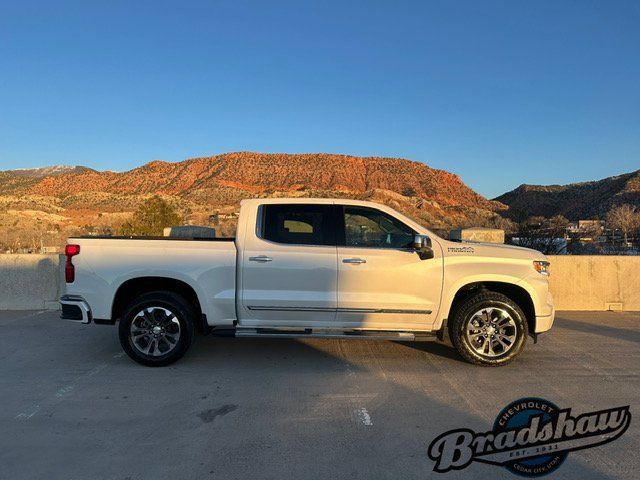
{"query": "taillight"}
pixel 69 270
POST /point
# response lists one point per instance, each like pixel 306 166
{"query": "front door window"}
pixel 369 228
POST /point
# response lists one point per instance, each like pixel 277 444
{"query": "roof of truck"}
pixel 255 202
pixel 306 200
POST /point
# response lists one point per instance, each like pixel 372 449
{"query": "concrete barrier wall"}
pixel 577 282
pixel 585 282
pixel 30 282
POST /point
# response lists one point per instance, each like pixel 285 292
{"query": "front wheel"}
pixel 157 328
pixel 488 329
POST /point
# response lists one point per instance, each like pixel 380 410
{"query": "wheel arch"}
pixel 134 287
pixel 515 292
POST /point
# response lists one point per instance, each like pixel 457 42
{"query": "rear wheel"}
pixel 488 329
pixel 157 328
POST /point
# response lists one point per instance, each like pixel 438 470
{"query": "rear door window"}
pixel 298 224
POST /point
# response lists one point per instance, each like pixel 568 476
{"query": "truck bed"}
pixel 125 237
pixel 107 265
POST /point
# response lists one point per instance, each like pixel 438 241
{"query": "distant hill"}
pixel 41 172
pixel 78 199
pixel 20 179
pixel 587 200
pixel 260 173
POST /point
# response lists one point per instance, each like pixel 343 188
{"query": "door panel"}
pixel 393 289
pixel 381 283
pixel 290 284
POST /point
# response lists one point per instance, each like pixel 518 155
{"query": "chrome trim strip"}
pixel 292 309
pixel 400 310
pixel 364 335
pixel 339 310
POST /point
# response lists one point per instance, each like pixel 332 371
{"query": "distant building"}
pixel 590 224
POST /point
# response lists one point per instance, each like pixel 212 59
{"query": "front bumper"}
pixel 544 323
pixel 75 308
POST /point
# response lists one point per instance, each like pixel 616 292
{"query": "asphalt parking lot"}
pixel 75 407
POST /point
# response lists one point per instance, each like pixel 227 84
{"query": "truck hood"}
pixel 492 250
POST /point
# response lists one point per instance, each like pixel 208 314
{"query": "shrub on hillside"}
pixel 151 218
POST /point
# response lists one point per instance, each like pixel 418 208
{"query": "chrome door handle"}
pixel 260 258
pixel 354 260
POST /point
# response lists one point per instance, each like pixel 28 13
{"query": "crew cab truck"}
pixel 330 268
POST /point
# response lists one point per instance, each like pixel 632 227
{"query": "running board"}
pixel 315 333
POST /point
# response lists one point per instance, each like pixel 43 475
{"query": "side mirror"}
pixel 422 245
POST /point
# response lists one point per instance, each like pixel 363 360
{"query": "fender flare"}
pixel 160 274
pixel 456 287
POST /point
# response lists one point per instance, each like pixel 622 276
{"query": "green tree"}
pixel 151 218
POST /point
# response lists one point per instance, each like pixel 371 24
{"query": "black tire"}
pixel 180 325
pixel 462 317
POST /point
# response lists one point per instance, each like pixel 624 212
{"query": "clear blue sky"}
pixel 502 93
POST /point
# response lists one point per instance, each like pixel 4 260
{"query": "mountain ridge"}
pixel 208 191
pixel 46 171
pixel 259 173
pixel 581 200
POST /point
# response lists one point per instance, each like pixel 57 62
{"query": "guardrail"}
pixel 595 282
pixel 30 281
pixel 577 282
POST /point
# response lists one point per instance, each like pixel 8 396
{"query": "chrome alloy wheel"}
pixel 491 332
pixel 155 331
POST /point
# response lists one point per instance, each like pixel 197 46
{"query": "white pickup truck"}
pixel 329 268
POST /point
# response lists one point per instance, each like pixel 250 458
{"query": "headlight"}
pixel 541 267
